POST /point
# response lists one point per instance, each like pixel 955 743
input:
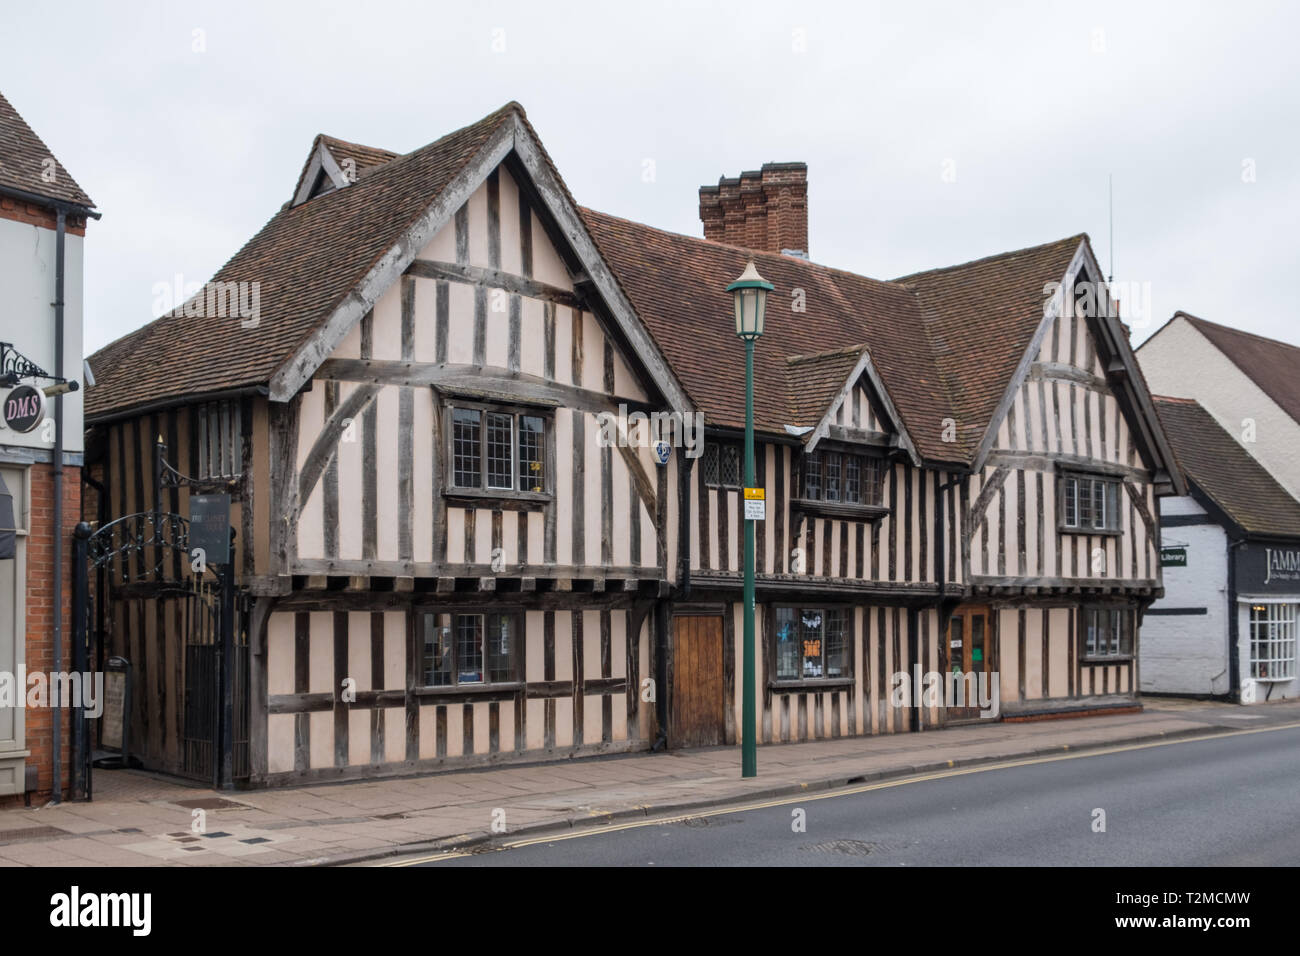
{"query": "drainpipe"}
pixel 56 744
pixel 1234 658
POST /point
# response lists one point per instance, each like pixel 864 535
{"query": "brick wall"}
pixel 40 616
pixel 21 211
pixel 765 209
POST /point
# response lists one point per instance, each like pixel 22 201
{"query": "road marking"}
pixel 844 792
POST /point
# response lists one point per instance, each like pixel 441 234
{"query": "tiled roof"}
pixel 1225 471
pixel 305 259
pixel 1273 366
pixel 23 162
pixel 980 318
pixel 365 158
pixel 945 343
pixel 813 381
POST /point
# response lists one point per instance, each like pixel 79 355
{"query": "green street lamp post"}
pixel 750 295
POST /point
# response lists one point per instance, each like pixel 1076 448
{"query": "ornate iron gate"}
pixel 147 556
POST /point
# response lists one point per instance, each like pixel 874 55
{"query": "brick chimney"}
pixel 766 209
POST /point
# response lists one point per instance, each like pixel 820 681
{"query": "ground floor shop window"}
pixel 467 648
pixel 1108 632
pixel 1272 641
pixel 811 643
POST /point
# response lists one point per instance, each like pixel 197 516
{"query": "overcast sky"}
pixel 188 142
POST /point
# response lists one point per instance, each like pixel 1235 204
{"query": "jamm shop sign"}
pixel 24 408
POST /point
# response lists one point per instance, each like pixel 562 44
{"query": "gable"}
pixel 321 265
pixel 463 312
pixel 1078 391
pixel 859 408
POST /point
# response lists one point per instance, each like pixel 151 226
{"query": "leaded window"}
pixel 1090 503
pixel 1108 632
pixel 843 477
pixel 469 648
pixel 497 450
pixel 811 643
pixel 722 464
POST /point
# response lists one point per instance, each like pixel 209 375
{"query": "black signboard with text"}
pixel 1269 568
pixel 210 527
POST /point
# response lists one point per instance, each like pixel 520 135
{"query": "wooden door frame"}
pixel 709 610
pixel 966 610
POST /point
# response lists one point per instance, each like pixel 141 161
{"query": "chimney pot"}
pixel 764 209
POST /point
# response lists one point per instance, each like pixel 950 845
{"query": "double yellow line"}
pixel 827 795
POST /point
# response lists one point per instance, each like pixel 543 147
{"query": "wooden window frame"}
pixel 716 446
pixel 518 633
pixel 1273 619
pixel 845 680
pixel 1063 480
pixel 223 445
pixel 838 508
pixel 482 493
pixel 1128 632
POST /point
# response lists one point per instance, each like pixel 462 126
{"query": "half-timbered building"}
pixel 457 542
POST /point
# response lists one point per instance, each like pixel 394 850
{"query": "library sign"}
pixel 1266 568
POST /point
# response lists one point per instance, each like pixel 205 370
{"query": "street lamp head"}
pixel 750 295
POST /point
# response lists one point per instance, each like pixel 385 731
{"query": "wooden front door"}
pixel 970 646
pixel 697 718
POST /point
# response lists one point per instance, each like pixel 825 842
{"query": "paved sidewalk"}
pixel 140 819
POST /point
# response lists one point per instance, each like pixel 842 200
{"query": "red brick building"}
pixel 43 214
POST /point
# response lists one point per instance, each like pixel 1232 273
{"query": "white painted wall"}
pixel 1188 654
pixel 1181 362
pixel 27 320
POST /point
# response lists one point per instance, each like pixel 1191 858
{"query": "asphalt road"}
pixel 1225 801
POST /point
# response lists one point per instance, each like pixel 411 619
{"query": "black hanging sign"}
pixel 210 527
pixel 24 408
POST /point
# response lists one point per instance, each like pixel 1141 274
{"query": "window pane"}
pixel 465 448
pixel 1099 504
pixel 852 479
pixel 1071 502
pixel 1084 496
pixel 469 648
pixel 437 650
pixel 873 491
pixel 710 463
pixel 787 644
pixel 812 477
pixel 1090 622
pixel 1273 641
pixel 836 642
pixel 831 474
pixel 500 647
pixel 532 453
pixel 499 463
pixel 812 635
pixel 730 466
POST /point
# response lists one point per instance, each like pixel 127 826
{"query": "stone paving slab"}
pixel 136 818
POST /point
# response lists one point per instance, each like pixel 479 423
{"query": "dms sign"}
pixel 1267 568
pixel 24 408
